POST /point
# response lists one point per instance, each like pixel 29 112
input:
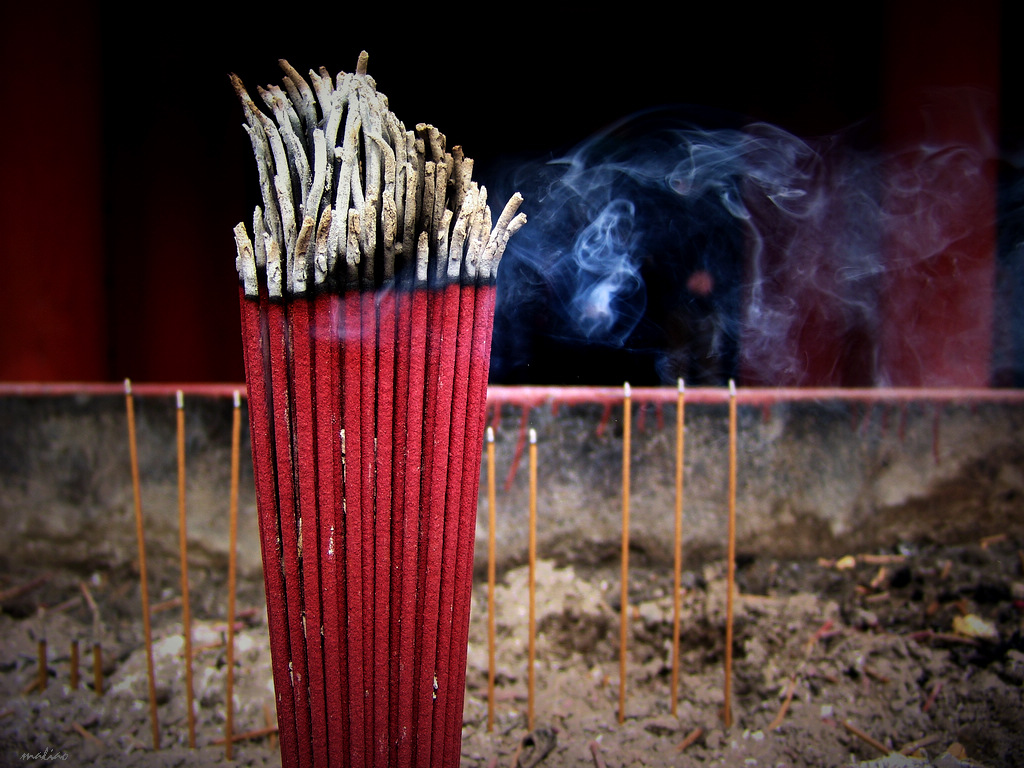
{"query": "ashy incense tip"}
pixel 179 398
pixel 732 388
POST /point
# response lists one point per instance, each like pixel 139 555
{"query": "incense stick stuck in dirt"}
pixel 143 580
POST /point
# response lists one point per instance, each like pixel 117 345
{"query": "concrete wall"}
pixel 814 479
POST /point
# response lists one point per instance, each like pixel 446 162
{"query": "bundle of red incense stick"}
pixel 367 301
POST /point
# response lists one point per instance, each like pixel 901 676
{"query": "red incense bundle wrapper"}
pixel 367 302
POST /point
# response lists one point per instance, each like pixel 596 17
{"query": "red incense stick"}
pixel 483 315
pixel 288 515
pixel 261 429
pixel 351 452
pixel 386 323
pixel 368 395
pixel 400 435
pixel 411 535
pixel 328 445
pixel 446 457
pixel 301 369
pixel 439 398
pixel 452 505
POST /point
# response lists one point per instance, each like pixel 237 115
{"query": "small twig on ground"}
pixel 21 589
pixel 86 735
pixel 691 738
pixel 930 701
pixel 595 750
pixel 785 705
pixel 865 737
pixel 997 538
pixel 911 747
pixel 166 605
pixel 207 647
pixel 876 676
pixel 89 599
pixel 67 605
pixel 823 631
pixel 879 578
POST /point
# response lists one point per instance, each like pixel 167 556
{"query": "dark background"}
pixel 125 166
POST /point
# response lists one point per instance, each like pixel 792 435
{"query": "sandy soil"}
pixel 917 645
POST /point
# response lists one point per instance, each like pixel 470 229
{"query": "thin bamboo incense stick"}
pixel 229 720
pixel 186 613
pixel 624 619
pixel 532 631
pixel 678 544
pixel 97 669
pixel 43 674
pixel 143 581
pixel 74 665
pixel 730 556
pixel 491 551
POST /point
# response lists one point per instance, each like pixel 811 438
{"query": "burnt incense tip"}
pixel 626 390
pixel 533 437
pixel 127 386
pixel 236 83
pixel 341 207
pixel 179 398
pixel 681 386
pixel 490 434
pixel 732 388
pixel 237 399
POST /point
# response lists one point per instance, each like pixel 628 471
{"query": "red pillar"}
pixel 941 121
pixel 52 316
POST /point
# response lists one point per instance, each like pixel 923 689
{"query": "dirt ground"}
pixel 918 645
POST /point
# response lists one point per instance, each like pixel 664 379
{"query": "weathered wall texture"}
pixel 813 479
